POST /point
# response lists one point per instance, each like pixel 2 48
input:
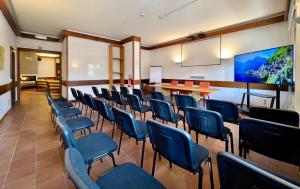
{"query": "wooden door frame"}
pixel 13 76
pixel 19 49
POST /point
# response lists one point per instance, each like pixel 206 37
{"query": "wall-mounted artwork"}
pixel 2 57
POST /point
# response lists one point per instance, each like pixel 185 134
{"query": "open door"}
pixel 13 76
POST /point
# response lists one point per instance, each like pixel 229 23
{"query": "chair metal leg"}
pixel 231 142
pixel 97 121
pixel 141 115
pixel 113 131
pixel 200 180
pixel 145 116
pixel 197 138
pixel 102 124
pixel 143 150
pixel 153 164
pixel 212 186
pixel 226 145
pixel 113 159
pixel 89 169
pixel 120 143
pixel 176 124
pixel 91 113
pixel 240 149
pixel 170 164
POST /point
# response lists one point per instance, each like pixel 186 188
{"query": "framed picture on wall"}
pixel 2 57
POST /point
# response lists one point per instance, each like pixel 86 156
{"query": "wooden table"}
pixel 179 88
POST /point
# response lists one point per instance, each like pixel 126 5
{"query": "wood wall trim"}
pixel 32 36
pixel 5 88
pixel 85 82
pixel 9 17
pixel 280 17
pixel 38 50
pixel 89 37
pixel 131 38
pixel 230 84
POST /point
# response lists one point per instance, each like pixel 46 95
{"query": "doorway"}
pixel 13 75
pixel 38 70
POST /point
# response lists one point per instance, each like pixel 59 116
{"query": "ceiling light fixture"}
pixel 142 15
pixel 47 55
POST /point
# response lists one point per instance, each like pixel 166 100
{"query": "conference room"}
pixel 150 94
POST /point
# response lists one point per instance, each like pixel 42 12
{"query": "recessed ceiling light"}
pixel 142 15
pixel 47 55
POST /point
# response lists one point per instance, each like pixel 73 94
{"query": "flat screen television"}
pixel 271 66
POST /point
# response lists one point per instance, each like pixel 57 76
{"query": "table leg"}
pixel 243 100
pixel 272 103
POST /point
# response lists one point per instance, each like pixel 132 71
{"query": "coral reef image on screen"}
pixel 273 66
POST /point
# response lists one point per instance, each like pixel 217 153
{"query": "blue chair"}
pixel 119 99
pixel 136 105
pixel 162 110
pixel 228 110
pixel 75 95
pixel 183 101
pixel 132 127
pixel 82 100
pixel 288 117
pixel 235 172
pixel 96 92
pixel 90 103
pixel 106 95
pixel 177 146
pixel 124 91
pixel 140 94
pixel 275 140
pixel 105 111
pixel 208 123
pixel 127 175
pixel 113 88
pixel 159 96
pixel 92 147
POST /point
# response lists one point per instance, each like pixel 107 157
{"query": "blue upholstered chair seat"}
pixel 95 146
pixel 128 175
pixel 143 131
pixel 145 108
pixel 70 112
pixel 201 155
pixel 177 117
pixel 79 123
pixel 64 104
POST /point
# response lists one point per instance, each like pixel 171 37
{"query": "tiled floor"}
pixel 31 157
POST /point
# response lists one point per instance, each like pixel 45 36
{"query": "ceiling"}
pixel 118 19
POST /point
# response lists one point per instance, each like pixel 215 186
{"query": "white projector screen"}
pixel 155 74
pixel 201 53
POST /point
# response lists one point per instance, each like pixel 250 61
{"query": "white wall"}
pixel 145 64
pixel 7 39
pixel 38 44
pixel 235 43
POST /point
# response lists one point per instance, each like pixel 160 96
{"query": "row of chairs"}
pixel 123 114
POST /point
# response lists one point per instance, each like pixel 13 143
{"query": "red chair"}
pixel 204 85
pixel 188 84
pixel 174 83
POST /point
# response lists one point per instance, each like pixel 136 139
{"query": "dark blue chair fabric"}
pixel 183 101
pixel 126 175
pixel 105 111
pixel 287 117
pixel 228 110
pixel 235 172
pixel 208 123
pixel 90 103
pixel 92 147
pixel 162 110
pixel 113 88
pixel 96 92
pixel 75 95
pixel 119 99
pixel 159 96
pixel 275 140
pixel 136 105
pixel 132 127
pixel 106 94
pixel 177 146
pixel 140 94
pixel 82 100
pixel 80 123
pixel 65 112
pixel 124 91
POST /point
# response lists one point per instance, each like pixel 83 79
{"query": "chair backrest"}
pixel 90 101
pixel 250 176
pixel 157 95
pixel 113 88
pixel 206 122
pixel 74 93
pixel 204 84
pixel 183 101
pixel 174 144
pixel 105 93
pixel 126 121
pixel 104 109
pixel 174 82
pixel 124 91
pixel 139 93
pixel 228 110
pixel 117 97
pixel 76 170
pixel 134 102
pixel 67 134
pixel 188 83
pixel 288 117
pixel 81 97
pixel 161 109
pixel 96 91
pixel 271 139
